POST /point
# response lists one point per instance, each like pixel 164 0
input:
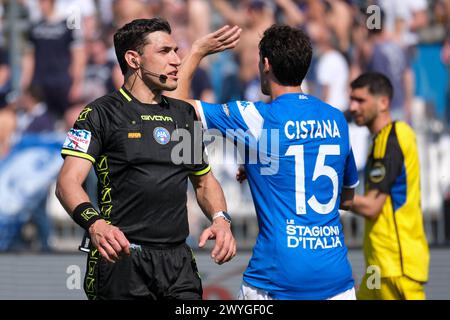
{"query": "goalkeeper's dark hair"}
pixel 377 84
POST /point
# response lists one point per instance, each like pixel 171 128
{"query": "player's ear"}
pixel 384 103
pixel 266 65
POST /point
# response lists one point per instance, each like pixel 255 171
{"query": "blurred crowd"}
pixel 64 55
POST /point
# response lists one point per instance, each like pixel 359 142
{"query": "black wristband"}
pixel 85 215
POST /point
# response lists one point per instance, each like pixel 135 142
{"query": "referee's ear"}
pixel 133 60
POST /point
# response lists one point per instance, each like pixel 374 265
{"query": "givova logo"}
pixel 156 118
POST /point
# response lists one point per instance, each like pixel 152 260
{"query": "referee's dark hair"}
pixel 132 37
pixel 289 52
pixel 377 83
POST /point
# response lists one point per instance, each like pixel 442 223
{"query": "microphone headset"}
pixel 162 77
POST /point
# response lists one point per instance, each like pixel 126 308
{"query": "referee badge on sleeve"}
pixel 77 140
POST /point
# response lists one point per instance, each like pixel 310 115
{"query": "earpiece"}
pixel 162 77
pixel 136 64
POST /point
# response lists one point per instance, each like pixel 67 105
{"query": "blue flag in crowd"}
pixel 26 174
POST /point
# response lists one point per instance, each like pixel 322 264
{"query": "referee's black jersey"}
pixel 142 171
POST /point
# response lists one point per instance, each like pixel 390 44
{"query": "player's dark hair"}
pixel 377 84
pixel 132 37
pixel 289 52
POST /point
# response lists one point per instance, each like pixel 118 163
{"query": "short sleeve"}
pixel 232 116
pixel 84 139
pixel 350 172
pixel 201 165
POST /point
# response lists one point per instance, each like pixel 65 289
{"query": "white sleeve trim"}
pixel 201 113
pixel 252 117
pixel 353 186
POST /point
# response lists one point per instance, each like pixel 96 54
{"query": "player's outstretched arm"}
pixel 370 205
pixel 108 239
pixel 220 40
pixel 211 199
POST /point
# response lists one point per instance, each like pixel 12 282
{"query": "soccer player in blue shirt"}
pixel 303 173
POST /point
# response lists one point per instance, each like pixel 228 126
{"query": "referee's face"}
pixel 160 58
pixel 363 106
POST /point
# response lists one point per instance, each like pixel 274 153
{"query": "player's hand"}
pixel 222 39
pixel 225 248
pixel 241 175
pixel 109 240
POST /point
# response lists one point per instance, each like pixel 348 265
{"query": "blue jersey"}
pixel 303 160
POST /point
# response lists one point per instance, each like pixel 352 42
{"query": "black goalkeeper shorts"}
pixel 148 273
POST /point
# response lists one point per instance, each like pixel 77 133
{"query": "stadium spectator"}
pixel 338 17
pixel 402 22
pixel 54 59
pixel 394 240
pixel 32 114
pixel 33 117
pixel 5 77
pixel 404 19
pixel 98 79
pixel 291 13
pixel 254 16
pixel 387 57
pixel 332 69
pixel 7 127
pixel 125 11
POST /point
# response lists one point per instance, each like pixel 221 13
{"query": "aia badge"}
pixel 161 135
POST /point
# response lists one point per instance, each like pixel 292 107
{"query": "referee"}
pixel 138 248
pixel 394 238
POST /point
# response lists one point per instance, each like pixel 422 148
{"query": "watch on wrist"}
pixel 222 214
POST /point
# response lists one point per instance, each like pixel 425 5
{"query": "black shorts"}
pixel 148 273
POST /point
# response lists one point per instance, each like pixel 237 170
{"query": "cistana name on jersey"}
pixel 312 129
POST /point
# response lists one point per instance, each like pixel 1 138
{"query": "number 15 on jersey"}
pixel 320 169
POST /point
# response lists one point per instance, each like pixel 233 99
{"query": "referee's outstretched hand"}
pixel 225 248
pixel 109 240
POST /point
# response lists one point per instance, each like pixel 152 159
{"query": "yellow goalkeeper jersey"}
pixel 396 240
